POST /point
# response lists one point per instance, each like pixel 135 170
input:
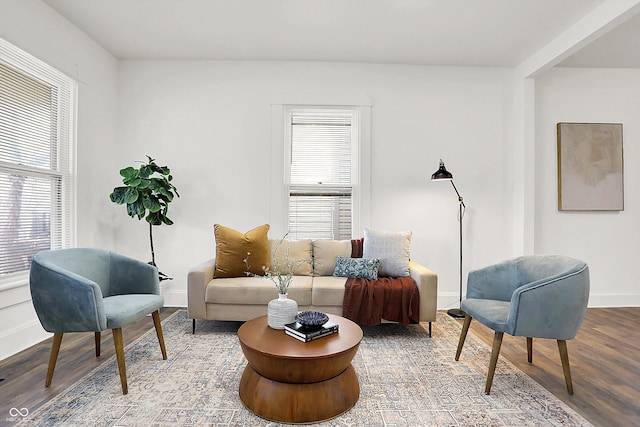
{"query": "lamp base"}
pixel 456 313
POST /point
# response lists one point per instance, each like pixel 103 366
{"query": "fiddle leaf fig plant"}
pixel 147 193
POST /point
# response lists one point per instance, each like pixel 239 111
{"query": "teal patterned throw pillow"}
pixel 357 267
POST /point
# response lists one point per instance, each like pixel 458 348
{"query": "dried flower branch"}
pixel 281 276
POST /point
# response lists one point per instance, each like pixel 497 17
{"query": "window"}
pixel 37 200
pixel 322 172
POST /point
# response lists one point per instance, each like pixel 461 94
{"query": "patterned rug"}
pixel 406 379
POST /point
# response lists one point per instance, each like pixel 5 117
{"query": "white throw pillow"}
pixel 391 248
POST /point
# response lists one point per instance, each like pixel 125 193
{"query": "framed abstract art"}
pixel 590 167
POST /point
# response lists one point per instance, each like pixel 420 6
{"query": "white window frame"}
pixel 63 231
pixel 361 165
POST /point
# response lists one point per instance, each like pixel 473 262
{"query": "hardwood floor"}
pixel 605 366
pixel 24 373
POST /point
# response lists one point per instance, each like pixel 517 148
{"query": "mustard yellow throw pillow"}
pixel 232 247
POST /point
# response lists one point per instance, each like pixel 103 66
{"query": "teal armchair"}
pixel 91 290
pixel 535 296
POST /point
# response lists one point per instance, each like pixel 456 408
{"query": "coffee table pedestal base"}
pixel 299 403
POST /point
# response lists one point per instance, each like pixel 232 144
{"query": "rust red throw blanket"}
pixel 357 248
pixel 367 302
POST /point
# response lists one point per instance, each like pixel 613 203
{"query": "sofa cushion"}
pixel 255 290
pixel 325 253
pixel 233 246
pixel 328 291
pixel 391 248
pixel 298 253
pixel 357 267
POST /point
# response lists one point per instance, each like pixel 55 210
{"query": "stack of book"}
pixel 306 333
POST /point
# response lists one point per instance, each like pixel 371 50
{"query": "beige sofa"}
pixel 313 287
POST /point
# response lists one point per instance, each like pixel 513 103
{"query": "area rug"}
pixel 406 377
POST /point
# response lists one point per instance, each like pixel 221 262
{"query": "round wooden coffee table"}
pixel 295 382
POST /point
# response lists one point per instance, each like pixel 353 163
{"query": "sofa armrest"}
pixel 427 283
pixel 197 279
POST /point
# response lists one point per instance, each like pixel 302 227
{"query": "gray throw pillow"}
pixel 391 248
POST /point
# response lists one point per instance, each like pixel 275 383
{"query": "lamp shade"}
pixel 442 173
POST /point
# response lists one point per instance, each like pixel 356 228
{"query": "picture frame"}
pixel 590 167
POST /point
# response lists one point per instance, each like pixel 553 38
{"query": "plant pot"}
pixel 281 311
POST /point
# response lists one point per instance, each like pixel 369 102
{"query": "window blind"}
pixel 320 186
pixel 37 127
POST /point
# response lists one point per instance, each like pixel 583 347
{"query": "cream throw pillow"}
pixel 298 252
pixel 391 248
pixel 325 253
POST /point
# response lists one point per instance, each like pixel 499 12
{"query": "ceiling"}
pixel 491 33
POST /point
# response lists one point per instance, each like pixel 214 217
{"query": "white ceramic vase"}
pixel 281 311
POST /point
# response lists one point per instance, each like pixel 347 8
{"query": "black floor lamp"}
pixel 442 174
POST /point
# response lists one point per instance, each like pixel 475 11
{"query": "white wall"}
pixel 210 122
pixel 35 28
pixel 607 241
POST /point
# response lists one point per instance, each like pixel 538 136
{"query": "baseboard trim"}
pixel 21 338
pixel 607 300
pixel 447 300
pixel 174 298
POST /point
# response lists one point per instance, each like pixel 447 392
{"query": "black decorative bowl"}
pixel 312 318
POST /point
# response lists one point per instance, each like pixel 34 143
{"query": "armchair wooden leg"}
pixel 193 328
pixel 119 345
pixel 463 335
pixel 156 322
pixel 53 358
pixel 495 352
pixel 529 349
pixel 97 340
pixel 564 357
